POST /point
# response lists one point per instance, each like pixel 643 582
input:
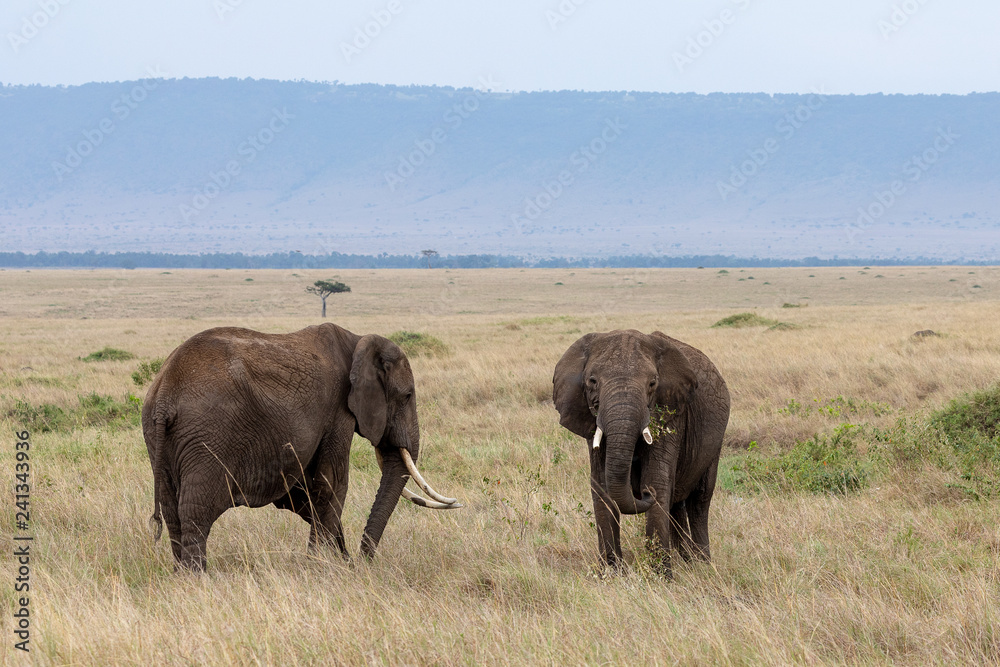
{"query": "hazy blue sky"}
pixel 844 46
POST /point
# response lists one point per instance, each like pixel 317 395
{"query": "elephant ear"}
pixel 567 389
pixel 367 399
pixel 677 378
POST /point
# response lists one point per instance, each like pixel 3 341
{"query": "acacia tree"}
pixel 325 288
pixel 428 254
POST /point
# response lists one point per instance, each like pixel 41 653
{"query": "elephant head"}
pixel 384 405
pixel 605 388
pixel 381 396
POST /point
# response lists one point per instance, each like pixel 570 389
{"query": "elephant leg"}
pixel 196 514
pixel 658 533
pixel 330 488
pixel 697 506
pixel 656 468
pixel 680 530
pixel 196 521
pixel 606 514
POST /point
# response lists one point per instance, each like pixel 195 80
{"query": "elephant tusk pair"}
pixel 646 435
pixel 420 501
pixel 422 483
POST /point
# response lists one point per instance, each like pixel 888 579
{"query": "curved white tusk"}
pixel 423 502
pixel 420 501
pixel 647 436
pixel 421 482
pixel 597 437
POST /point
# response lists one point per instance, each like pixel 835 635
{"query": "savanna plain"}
pixel 855 520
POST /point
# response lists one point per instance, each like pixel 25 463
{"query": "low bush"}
pixel 93 410
pixel 745 320
pixel 146 371
pixel 109 354
pixel 970 415
pixel 44 418
pixel 417 344
pixel 962 439
pixel 825 464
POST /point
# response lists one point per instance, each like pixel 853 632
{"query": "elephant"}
pixel 238 417
pixel 607 387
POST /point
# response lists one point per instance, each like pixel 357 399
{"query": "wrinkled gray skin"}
pixel 218 418
pixel 614 380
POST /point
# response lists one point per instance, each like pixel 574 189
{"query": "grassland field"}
pixel 847 527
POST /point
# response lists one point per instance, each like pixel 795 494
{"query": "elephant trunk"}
pixel 394 476
pixel 624 418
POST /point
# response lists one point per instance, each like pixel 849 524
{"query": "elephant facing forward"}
pixel 237 417
pixel 606 387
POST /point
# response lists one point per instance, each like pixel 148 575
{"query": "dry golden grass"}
pixel 903 572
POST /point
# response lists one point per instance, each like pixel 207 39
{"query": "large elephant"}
pixel 606 387
pixel 237 417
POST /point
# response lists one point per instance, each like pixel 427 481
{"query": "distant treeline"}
pixel 336 260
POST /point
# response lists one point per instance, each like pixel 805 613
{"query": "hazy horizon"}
pixel 855 46
pixel 824 129
pixel 224 165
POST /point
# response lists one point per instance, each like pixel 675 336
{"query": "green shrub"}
pixel 962 439
pixel 969 432
pixel 824 464
pixel 93 410
pixel 41 419
pixel 745 320
pixel 417 344
pixel 97 410
pixel 971 414
pixel 147 369
pixel 109 354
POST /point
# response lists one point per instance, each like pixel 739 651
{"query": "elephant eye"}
pixel 592 381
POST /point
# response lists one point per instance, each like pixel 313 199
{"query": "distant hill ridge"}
pixel 208 165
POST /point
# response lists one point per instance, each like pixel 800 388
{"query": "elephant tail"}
pixel 159 442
